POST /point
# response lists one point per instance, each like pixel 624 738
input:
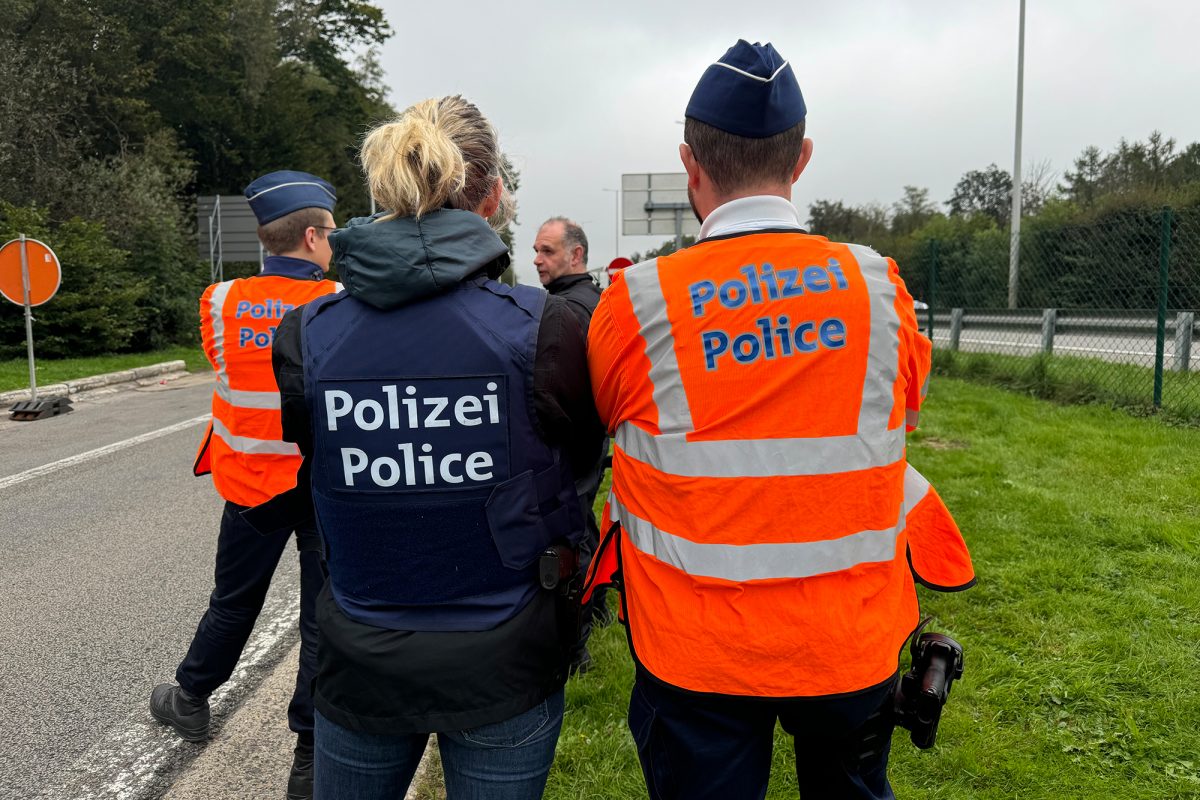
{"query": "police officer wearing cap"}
pixel 244 451
pixel 765 526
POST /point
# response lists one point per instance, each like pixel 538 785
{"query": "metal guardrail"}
pixel 1034 330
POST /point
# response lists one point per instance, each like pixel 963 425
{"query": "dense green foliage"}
pixel 116 114
pixel 1090 242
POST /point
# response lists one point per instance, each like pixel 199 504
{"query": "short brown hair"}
pixel 736 162
pixel 286 234
pixel 572 236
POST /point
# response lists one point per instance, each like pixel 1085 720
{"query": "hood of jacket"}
pixel 389 263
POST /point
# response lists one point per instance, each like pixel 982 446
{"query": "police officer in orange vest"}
pixel 764 527
pixel 250 463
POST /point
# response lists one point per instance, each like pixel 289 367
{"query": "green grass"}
pixel 1071 379
pixel 1082 638
pixel 14 373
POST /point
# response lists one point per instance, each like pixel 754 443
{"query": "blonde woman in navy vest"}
pixel 444 417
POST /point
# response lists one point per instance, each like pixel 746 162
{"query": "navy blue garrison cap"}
pixel 751 91
pixel 278 193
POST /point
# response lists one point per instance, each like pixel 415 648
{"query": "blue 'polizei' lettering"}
pixel 791 282
pixel 271 308
pixel 764 284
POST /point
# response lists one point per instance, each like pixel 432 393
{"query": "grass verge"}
pixel 1070 379
pixel 14 373
pixel 1081 637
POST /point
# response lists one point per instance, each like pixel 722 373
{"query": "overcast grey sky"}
pixel 898 91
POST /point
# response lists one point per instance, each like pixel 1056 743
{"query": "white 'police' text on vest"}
pixel 773 336
pixel 418 433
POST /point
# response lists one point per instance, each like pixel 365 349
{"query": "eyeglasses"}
pixel 325 227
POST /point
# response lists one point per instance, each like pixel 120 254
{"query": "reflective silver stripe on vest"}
pixel 244 444
pixel 883 350
pixel 216 310
pixel 646 296
pixel 750 562
pixel 911 418
pixel 760 458
pixel 873 445
pixel 247 399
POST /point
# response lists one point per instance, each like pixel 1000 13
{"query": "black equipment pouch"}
pixel 937 662
pixel 558 571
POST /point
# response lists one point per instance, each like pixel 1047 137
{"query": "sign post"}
pixel 29 276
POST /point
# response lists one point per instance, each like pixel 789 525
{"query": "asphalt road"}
pixel 1121 348
pixel 108 544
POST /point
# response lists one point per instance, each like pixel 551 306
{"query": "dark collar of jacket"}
pixel 289 267
pixel 564 283
pixel 388 263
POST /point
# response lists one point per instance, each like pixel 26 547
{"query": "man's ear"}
pixel 311 234
pixel 805 154
pixel 690 165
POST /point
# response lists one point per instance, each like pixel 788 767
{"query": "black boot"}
pixel 300 781
pixel 186 713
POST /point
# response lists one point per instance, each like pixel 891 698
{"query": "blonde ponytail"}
pixel 438 152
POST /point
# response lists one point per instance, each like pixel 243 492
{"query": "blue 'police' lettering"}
pixel 715 343
pixel 771 339
pixel 248 337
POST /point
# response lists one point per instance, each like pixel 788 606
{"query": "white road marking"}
pixel 70 461
pixel 131 759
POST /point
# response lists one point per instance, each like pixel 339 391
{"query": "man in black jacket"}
pixel 560 255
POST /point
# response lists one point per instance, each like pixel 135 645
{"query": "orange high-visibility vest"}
pixel 244 447
pixel 759 387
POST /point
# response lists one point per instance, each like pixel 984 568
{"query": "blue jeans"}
pixel 506 760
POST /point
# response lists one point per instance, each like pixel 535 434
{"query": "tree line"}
pixel 116 114
pixel 1090 237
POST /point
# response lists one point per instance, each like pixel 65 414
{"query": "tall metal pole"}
pixel 28 319
pixel 1014 245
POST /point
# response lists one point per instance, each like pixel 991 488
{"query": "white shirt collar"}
pixel 749 214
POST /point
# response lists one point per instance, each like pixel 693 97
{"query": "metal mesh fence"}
pixel 1105 311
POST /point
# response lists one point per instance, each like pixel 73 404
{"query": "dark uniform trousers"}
pixel 695 747
pixel 245 563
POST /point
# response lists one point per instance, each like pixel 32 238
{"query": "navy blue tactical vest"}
pixel 433 490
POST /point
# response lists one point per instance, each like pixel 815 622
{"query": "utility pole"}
pixel 1014 245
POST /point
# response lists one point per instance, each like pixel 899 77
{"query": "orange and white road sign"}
pixel 45 273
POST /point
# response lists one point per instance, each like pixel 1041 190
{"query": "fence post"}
pixel 956 320
pixel 1184 322
pixel 933 265
pixel 1049 322
pixel 1164 260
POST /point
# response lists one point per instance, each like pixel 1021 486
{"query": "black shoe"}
pixel 581 664
pixel 186 713
pixel 300 781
